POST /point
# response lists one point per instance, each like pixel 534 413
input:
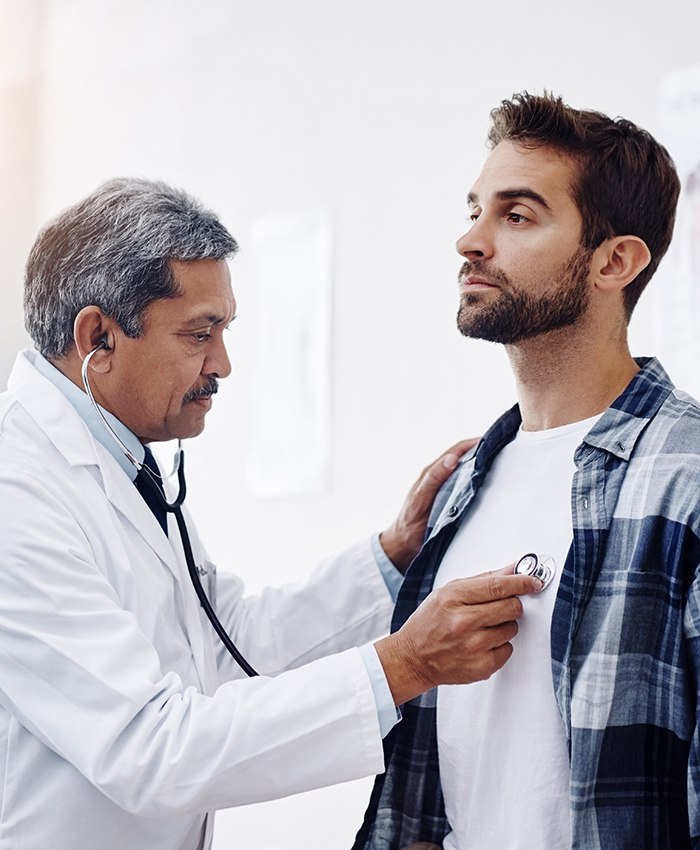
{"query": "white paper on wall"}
pixel 291 429
pixel 677 284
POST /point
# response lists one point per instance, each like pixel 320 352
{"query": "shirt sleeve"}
pixel 387 713
pixel 392 577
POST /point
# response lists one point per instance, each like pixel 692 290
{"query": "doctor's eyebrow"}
pixel 196 321
pixel 518 193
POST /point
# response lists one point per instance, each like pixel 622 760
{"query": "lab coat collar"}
pixel 81 402
pixel 71 436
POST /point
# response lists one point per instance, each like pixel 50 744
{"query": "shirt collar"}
pixel 80 401
pixel 616 431
pixel 620 426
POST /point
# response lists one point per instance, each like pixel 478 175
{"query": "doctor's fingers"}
pixel 404 537
pixel 433 476
pixel 476 628
pixel 490 587
pixel 484 654
pixel 443 623
pixel 449 648
pixel 436 473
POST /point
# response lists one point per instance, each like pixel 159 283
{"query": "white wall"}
pixel 20 27
pixel 378 109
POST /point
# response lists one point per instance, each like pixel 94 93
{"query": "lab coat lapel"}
pixel 125 498
pixel 62 425
pixel 59 420
pixel 199 629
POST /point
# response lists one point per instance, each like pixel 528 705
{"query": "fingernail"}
pixel 538 585
pixel 450 461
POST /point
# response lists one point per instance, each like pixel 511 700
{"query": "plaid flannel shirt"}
pixel 625 634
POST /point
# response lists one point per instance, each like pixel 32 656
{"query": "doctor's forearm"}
pixel 343 603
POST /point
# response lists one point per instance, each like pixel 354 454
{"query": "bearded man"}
pixel 588 738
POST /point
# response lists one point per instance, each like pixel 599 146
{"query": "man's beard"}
pixel 514 316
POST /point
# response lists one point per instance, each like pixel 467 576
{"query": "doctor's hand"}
pixel 459 634
pixel 404 537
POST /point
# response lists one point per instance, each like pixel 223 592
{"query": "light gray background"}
pixel 377 109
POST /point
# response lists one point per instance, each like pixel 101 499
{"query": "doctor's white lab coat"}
pixel 123 721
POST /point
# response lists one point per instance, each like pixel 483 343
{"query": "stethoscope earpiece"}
pixel 542 567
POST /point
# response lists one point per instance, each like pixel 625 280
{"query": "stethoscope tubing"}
pixel 175 509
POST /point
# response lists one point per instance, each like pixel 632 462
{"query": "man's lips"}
pixel 471 283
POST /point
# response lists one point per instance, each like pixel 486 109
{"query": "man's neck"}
pixel 567 376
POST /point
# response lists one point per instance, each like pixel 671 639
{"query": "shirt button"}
pixel 453 511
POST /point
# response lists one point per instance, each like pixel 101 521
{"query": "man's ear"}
pixel 618 261
pixel 93 330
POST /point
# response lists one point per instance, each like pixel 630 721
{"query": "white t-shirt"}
pixel 503 755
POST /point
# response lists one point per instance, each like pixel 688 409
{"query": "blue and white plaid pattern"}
pixel 625 634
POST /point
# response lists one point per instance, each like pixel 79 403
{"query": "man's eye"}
pixel 203 337
pixel 516 218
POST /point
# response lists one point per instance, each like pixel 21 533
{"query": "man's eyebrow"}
pixel 514 195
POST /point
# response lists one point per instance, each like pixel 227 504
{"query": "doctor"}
pixel 123 721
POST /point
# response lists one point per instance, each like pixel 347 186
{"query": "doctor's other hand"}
pixel 404 537
pixel 459 634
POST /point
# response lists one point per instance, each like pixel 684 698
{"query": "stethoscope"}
pixel 542 567
pixel 173 508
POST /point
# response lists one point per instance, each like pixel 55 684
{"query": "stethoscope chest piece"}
pixel 542 567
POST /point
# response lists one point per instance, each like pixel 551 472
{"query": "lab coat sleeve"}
pixel 343 603
pixel 81 676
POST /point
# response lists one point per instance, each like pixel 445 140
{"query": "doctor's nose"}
pixel 218 363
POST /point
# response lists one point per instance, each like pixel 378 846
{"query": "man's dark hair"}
pixel 113 250
pixel 626 183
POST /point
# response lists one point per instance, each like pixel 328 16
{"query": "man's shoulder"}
pixel 682 402
pixel 677 422
pixel 650 417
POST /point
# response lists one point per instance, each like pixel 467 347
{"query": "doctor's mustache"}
pixel 211 387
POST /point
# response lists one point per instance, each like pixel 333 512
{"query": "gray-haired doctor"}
pixel 124 721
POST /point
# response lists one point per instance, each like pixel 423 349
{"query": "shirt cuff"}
pixel 387 713
pixel 392 577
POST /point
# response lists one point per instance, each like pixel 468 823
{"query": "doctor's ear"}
pixel 93 331
pixel 618 262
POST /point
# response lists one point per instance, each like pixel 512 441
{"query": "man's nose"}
pixel 476 243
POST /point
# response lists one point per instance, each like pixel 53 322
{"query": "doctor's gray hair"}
pixel 112 250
